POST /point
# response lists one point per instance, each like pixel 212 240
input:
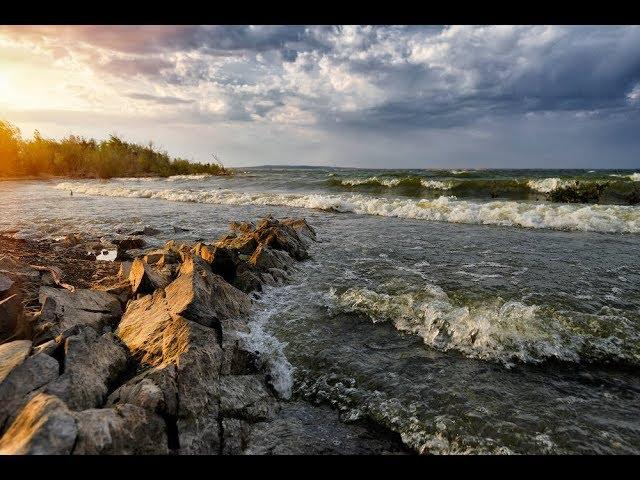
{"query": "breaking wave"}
pixel 596 218
pixel 497 330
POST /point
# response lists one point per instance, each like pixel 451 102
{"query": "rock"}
pixel 17 270
pixel 91 364
pixel 161 258
pixel 145 279
pixel 71 240
pixel 279 236
pixel 159 337
pixel 179 229
pixel 122 430
pixel 125 269
pixel 236 358
pixel 203 251
pixel 62 310
pixel 10 312
pixel 13 354
pixel 235 434
pixel 200 295
pixel 247 397
pixel 23 378
pixel 301 226
pixel 43 427
pixel 155 389
pixel 242 245
pixel 265 258
pixel 129 243
pixel 148 230
pixel 303 429
pixel 7 286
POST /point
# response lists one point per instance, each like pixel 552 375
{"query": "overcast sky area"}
pixel 414 97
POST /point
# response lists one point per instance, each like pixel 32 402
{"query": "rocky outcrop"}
pixel 152 360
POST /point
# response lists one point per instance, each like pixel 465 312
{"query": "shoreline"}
pixel 81 333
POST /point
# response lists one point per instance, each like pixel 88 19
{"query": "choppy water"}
pixel 467 325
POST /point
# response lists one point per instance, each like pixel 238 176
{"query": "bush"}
pixel 75 156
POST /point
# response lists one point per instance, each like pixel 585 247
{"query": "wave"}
pixel 597 218
pixel 497 330
pixel 547 185
pixel 635 177
pixel 480 186
pixel 407 181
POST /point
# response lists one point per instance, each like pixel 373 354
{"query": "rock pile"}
pixel 149 361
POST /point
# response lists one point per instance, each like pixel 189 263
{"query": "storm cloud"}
pixel 491 96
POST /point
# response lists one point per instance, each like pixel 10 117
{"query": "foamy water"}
pixel 598 218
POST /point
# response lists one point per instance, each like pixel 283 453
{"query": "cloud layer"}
pixel 353 95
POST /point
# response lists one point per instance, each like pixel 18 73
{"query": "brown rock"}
pixel 10 312
pixel 145 279
pixel 129 243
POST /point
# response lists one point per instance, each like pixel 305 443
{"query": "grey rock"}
pixel 247 397
pixel 121 430
pixel 303 429
pixel 63 310
pixel 91 363
pixel 13 354
pixel 43 427
pixel 10 313
pixel 22 379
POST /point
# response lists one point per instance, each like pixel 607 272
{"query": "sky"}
pixel 351 96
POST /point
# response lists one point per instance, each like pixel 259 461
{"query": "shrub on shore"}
pixel 75 156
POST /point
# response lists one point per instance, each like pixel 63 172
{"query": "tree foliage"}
pixel 75 156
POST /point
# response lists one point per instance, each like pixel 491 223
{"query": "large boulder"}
pixel 63 310
pixel 91 364
pixel 157 331
pixel 121 430
pixel 200 295
pixel 44 426
pixel 21 376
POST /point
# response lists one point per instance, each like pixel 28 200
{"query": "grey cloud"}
pixel 162 100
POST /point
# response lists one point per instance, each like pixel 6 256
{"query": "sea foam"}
pixel 498 330
pixel 597 218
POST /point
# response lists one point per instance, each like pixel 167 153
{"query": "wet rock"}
pixel 22 378
pixel 91 363
pixel 235 433
pixel 301 226
pixel 146 279
pixel 237 359
pixel 148 230
pixel 45 426
pixel 247 397
pixel 129 243
pixel 265 258
pixel 179 229
pixel 62 310
pixel 279 236
pixel 121 430
pixel 303 429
